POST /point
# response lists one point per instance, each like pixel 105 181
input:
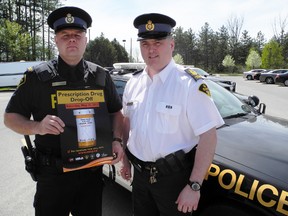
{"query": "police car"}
pixel 248 175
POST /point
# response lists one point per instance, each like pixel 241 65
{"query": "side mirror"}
pixel 253 100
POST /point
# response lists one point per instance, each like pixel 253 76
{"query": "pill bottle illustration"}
pixel 86 128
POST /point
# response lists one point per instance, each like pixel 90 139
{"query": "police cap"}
pixel 69 17
pixel 153 26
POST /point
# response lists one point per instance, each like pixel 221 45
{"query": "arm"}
pixel 126 168
pixel 204 155
pixel 117 133
pixel 188 199
pixel 20 124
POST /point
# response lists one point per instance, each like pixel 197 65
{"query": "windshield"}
pixel 227 103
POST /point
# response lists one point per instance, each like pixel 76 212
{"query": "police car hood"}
pixel 257 146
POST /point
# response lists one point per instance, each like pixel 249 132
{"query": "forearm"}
pixel 117 124
pixel 20 124
pixel 204 155
pixel 126 129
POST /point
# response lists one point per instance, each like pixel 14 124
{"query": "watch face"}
pixel 195 186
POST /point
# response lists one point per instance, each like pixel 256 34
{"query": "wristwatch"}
pixel 195 186
pixel 117 139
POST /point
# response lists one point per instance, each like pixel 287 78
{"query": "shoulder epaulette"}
pixel 193 74
pixel 137 72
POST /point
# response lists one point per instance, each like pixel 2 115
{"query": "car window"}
pixel 120 85
pixel 227 103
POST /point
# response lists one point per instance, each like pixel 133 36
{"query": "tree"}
pixel 245 45
pixel 14 44
pixel 259 42
pixel 121 53
pixel 205 45
pixel 234 26
pixel 253 60
pixel 32 16
pixel 228 62
pixel 184 43
pixel 272 55
pixel 222 47
pixel 101 51
pixel 178 59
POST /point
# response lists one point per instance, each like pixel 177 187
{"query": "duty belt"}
pixel 48 159
pixel 171 163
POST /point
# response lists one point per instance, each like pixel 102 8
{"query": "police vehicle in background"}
pixel 122 68
pixel 248 176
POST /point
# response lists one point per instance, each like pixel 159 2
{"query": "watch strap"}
pixel 195 186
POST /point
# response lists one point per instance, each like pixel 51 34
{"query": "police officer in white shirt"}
pixel 171 121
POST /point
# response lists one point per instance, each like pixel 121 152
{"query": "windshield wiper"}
pixel 235 115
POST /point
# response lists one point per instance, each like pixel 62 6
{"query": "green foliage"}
pixel 32 17
pixel 253 60
pixel 229 62
pixel 121 53
pixel 15 45
pixel 272 55
pixel 105 53
pixel 178 59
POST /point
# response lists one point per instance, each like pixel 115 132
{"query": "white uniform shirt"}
pixel 167 113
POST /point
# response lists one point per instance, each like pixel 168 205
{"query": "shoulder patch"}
pixel 193 74
pixel 22 81
pixel 204 88
pixel 30 69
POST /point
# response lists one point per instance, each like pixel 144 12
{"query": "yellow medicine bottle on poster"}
pixel 86 128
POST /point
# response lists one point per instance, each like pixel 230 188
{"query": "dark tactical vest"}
pixel 94 79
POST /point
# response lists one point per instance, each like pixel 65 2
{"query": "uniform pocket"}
pixel 167 119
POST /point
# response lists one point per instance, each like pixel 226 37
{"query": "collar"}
pixel 73 74
pixel 166 71
pixel 163 74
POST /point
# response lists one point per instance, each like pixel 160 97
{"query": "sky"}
pixel 114 18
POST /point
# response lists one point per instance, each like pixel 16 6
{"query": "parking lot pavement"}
pixel 274 96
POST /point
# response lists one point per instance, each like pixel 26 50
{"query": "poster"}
pixel 87 138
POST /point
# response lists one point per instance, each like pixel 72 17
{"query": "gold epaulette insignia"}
pixel 193 73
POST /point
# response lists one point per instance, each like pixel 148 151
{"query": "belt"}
pixel 47 159
pixel 173 162
pixel 139 164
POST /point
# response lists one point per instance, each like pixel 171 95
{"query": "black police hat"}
pixel 153 26
pixel 69 17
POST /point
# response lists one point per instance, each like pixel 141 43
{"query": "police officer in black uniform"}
pixel 76 192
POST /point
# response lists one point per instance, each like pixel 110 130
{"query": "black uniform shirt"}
pixel 37 98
